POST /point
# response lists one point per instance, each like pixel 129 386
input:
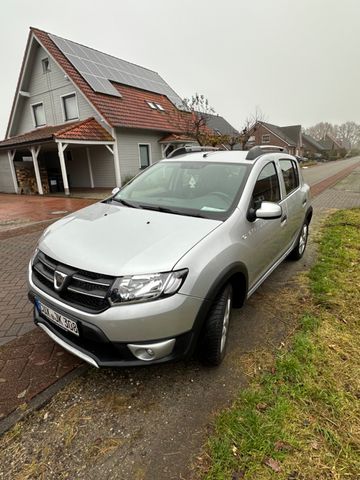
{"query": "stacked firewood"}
pixel 25 174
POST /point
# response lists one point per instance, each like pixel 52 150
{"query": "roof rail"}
pixel 258 150
pixel 191 149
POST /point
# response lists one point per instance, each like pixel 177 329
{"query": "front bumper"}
pixel 95 348
pixel 123 335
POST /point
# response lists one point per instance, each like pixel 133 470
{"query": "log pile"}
pixel 25 174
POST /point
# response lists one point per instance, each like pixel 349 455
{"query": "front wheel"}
pixel 216 329
pixel 300 246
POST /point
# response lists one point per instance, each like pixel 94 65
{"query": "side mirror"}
pixel 115 190
pixel 268 211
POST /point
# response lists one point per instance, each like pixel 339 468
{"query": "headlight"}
pixel 140 288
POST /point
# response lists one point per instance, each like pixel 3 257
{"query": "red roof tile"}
pixel 129 111
pixel 88 129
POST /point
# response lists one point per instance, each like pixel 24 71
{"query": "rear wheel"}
pixel 216 329
pixel 300 246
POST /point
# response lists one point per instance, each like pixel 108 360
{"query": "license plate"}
pixel 59 319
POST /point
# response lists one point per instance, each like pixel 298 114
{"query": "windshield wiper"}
pixel 124 202
pixel 158 208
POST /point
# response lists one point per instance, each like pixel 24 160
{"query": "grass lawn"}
pixel 301 419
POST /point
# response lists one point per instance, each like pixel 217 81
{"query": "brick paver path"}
pixel 19 210
pixel 32 362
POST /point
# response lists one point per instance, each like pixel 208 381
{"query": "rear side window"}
pixel 267 187
pixel 290 174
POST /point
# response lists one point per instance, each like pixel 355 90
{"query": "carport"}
pixel 54 158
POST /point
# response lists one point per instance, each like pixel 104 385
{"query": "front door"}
pixel 266 237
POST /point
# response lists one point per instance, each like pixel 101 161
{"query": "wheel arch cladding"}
pixel 309 214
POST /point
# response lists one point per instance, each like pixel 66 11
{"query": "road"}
pixel 150 423
pixel 322 171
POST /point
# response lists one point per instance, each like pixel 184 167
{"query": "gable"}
pixel 46 88
pixel 112 108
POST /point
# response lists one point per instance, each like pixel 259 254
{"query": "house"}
pixel 84 119
pixel 219 126
pixel 312 148
pixel 289 137
pixel 331 144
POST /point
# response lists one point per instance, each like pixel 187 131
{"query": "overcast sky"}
pixel 298 60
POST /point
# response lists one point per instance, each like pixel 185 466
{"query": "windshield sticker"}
pixel 192 182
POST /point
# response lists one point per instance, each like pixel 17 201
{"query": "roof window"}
pixel 156 106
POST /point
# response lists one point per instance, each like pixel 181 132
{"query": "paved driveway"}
pixel 21 210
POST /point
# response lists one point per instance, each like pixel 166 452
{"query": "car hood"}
pixel 115 240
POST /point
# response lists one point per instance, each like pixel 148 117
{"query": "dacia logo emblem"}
pixel 59 280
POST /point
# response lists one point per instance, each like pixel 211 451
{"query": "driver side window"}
pixel 266 187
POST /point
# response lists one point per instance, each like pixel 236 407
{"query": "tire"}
pixel 300 246
pixel 216 329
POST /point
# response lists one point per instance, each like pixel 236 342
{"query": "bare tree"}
pixel 348 132
pixel 195 119
pixel 249 126
pixel 320 130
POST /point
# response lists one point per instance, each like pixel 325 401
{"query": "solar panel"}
pixel 99 70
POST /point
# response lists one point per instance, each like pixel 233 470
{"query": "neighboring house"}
pixel 331 144
pixel 312 148
pixel 220 126
pixel 81 118
pixel 289 137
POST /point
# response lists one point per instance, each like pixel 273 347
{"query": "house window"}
pixel 45 65
pixel 39 114
pixel 151 105
pixel 160 107
pixel 265 138
pixel 70 107
pixel 144 153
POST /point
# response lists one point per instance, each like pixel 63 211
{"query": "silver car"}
pixel 152 273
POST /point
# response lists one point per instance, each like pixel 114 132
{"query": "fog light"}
pixel 152 351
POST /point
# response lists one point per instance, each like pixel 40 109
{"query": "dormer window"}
pixel 45 65
pixel 38 114
pixel 70 107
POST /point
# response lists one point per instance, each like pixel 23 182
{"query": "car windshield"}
pixel 204 189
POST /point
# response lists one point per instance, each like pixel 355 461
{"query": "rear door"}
pixel 293 199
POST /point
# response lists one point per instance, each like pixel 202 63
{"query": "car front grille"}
pixel 87 290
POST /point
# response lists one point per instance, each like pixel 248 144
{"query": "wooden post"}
pixel 34 153
pixel 90 167
pixel 61 149
pixel 11 155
